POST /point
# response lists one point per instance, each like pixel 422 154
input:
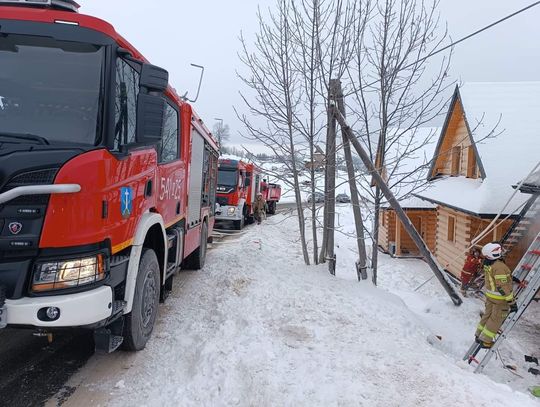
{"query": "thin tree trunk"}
pixel 375 246
pixel 314 33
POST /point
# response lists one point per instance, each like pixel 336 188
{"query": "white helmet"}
pixel 492 251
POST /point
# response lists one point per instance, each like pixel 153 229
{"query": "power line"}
pixel 487 27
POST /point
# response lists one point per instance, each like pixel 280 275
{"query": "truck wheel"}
pixel 139 323
pixel 196 260
pixel 272 210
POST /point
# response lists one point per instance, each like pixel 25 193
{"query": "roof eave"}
pixel 466 211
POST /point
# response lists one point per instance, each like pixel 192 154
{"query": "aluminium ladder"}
pixel 520 228
pixel 528 270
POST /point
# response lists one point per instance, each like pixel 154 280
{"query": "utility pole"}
pixel 330 183
pixel 361 265
pixel 428 256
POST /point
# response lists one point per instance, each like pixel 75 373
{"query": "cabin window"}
pixel 451 229
pixel 168 147
pixel 456 160
pixel 471 165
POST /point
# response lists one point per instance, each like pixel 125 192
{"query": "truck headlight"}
pixel 231 211
pixel 60 275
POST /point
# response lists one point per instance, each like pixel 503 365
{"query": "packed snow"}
pixel 256 327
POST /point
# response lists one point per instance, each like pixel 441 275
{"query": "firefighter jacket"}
pixel 472 264
pixel 498 281
pixel 259 205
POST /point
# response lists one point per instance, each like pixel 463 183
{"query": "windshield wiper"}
pixel 23 137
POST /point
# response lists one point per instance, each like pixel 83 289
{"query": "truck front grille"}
pixel 222 201
pixel 37 177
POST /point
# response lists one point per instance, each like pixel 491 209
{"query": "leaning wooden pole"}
pixel 428 256
pixel 361 266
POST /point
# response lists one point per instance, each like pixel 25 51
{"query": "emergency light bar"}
pixel 69 5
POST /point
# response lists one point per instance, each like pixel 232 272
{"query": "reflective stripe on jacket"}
pixel 498 281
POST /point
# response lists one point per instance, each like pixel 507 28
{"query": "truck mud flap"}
pixel 109 338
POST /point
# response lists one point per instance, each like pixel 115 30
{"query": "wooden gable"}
pixel 456 154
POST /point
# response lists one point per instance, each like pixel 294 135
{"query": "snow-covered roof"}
pixel 504 120
pixel 531 185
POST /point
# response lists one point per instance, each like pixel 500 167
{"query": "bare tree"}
pixel 276 87
pixel 222 132
pixel 324 33
pixel 395 91
pixel 305 44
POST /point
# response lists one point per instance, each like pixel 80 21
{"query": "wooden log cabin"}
pixel 489 142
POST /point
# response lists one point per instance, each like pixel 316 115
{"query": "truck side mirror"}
pixel 154 78
pixel 151 104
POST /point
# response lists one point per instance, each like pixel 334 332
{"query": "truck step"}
pixel 106 341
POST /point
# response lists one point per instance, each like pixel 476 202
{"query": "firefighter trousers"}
pixel 494 315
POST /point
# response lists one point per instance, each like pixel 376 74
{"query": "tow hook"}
pixel 44 334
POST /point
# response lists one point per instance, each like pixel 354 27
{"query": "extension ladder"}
pixel 520 227
pixel 528 271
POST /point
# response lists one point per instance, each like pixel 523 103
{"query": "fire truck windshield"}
pixel 50 89
pixel 227 178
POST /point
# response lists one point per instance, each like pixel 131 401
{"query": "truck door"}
pixel 195 179
pixel 171 174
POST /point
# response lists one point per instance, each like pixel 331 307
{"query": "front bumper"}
pixel 76 310
pixel 237 215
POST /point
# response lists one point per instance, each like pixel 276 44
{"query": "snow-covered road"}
pixel 258 328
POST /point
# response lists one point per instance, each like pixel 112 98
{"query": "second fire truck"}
pixel 238 185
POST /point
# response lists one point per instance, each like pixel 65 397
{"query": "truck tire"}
pixel 139 323
pixel 196 260
pixel 272 208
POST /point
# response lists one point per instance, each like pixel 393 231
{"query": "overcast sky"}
pixel 173 34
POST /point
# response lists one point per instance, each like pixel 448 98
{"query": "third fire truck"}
pixel 107 177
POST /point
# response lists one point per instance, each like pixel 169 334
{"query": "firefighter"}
pixel 499 295
pixel 259 208
pixel 473 264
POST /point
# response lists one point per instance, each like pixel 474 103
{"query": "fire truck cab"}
pixel 107 177
pixel 238 185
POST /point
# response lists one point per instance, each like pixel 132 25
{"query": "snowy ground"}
pixel 456 325
pixel 258 328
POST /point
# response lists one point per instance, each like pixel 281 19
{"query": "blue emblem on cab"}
pixel 126 201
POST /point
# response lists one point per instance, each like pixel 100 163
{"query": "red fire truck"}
pixel 238 185
pixel 271 194
pixel 107 177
